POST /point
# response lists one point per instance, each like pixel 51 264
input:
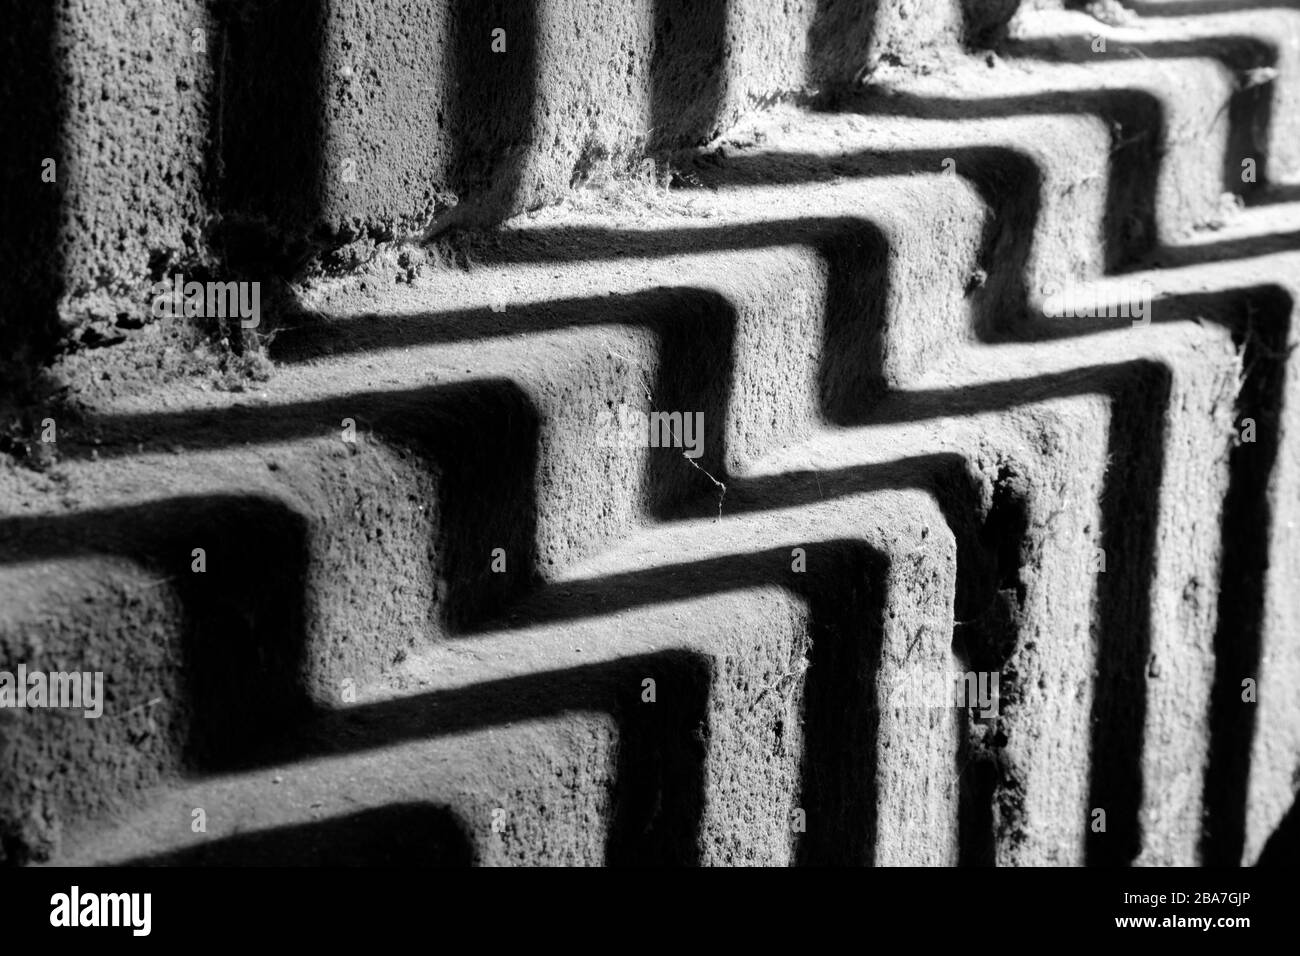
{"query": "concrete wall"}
pixel 257 135
pixel 875 260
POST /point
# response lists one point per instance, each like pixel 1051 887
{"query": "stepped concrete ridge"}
pixel 470 432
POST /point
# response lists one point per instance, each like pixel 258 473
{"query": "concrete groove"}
pixel 864 334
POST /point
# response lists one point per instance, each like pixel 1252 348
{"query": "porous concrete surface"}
pixel 852 289
pixel 254 138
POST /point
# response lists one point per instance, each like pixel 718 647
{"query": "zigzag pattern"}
pixel 431 644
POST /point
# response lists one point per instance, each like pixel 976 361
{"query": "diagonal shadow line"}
pixel 659 779
pixel 1228 309
pixel 839 766
pixel 1247 107
pixel 838 780
pixel 1140 391
pixel 842 801
pixel 478 438
pixel 995 173
pixel 1132 795
pixel 1138 127
pixel 1119 712
pixel 1133 721
pixel 1138 396
pixel 998 174
pixel 436 411
pixel 829 794
pixel 697 328
pixel 397 834
pixel 32 93
pixel 1261 319
pixel 1128 530
pixel 242 621
pixel 1008 394
pixel 854 249
pixel 695 331
pixel 1001 246
pixel 919 405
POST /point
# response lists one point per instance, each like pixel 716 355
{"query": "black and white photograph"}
pixel 854 434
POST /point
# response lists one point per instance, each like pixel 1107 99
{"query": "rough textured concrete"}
pixel 905 464
pixel 259 138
